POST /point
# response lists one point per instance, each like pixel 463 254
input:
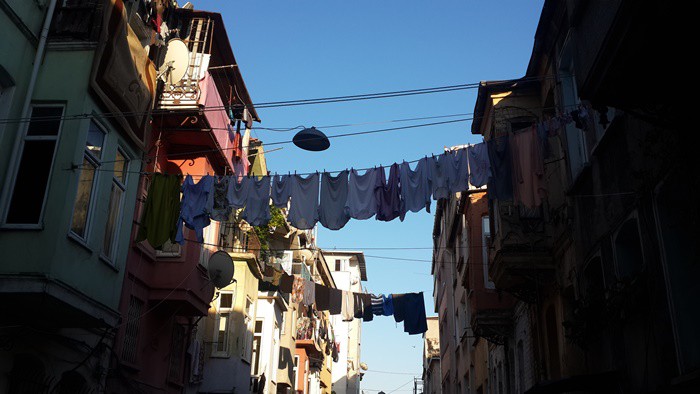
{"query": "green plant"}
pixel 263 232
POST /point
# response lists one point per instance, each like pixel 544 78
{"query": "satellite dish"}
pixel 220 269
pixel 175 62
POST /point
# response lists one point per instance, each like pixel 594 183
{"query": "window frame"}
pixel 96 162
pixel 248 339
pixel 485 235
pixel 16 157
pixel 226 352
pixel 116 182
pixel 256 352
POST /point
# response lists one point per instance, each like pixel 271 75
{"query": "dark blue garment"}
pixel 388 194
pixel 415 187
pixel 398 301
pixel 501 183
pixel 193 211
pixel 280 190
pixel 303 210
pixel 332 212
pixel 415 320
pixel 388 306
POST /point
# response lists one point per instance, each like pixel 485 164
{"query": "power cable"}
pixel 171 155
pixel 273 104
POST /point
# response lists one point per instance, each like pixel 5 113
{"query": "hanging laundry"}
pixel 348 306
pixel 303 211
pixel 528 168
pixel 367 314
pixel 238 191
pixel 361 201
pixel 501 183
pixel 479 166
pixel 388 194
pixel 441 169
pixel 323 297
pixel 193 211
pixel 220 209
pixel 298 290
pixel 399 307
pixel 415 187
pixel 280 190
pixel 459 174
pixel 388 305
pixel 358 309
pixel 257 206
pixel 335 301
pixel 333 214
pixel 415 321
pixel 377 304
pixel 160 214
pixel 309 292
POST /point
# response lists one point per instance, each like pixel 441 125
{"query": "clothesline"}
pixel 408 308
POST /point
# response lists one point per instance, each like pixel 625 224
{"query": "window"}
pixel 87 180
pixel 223 320
pixel 177 348
pixel 114 213
pixel 338 265
pixel 36 156
pixel 257 342
pixel 248 345
pixel 577 152
pixel 294 372
pixel 485 238
pixel 131 333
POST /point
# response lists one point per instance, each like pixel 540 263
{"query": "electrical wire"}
pixel 284 129
pixel 273 104
pixel 172 155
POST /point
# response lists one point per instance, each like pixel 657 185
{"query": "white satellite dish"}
pixel 220 269
pixel 175 62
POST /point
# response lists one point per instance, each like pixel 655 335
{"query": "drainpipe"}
pixel 38 57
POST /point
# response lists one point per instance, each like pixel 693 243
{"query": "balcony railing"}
pixel 520 253
pixel 77 20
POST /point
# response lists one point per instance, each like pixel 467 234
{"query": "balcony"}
pixel 491 315
pixel 195 112
pixel 180 287
pixel 307 336
pixel 520 255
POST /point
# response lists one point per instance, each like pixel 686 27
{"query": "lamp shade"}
pixel 311 139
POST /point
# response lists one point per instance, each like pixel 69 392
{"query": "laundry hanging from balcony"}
pixel 408 308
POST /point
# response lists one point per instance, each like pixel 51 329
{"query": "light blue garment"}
pixel 361 202
pixel 194 207
pixel 479 166
pixel 238 191
pixel 332 212
pixel 459 175
pixel 415 187
pixel 441 170
pixel 303 210
pixel 280 190
pixel 257 205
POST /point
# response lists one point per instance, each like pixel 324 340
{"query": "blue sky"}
pixel 290 50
